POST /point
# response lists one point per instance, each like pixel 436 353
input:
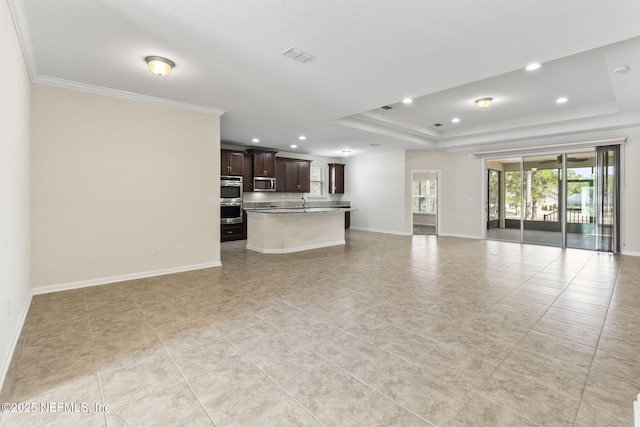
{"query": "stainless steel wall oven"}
pixel 231 200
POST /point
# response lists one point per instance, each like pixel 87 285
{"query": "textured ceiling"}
pixel 367 53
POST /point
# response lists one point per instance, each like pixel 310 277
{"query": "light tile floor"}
pixel 387 330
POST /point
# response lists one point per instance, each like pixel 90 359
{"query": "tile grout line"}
pixel 597 345
pixel 515 346
pixel 267 375
pixel 86 303
pixel 373 389
pixel 172 359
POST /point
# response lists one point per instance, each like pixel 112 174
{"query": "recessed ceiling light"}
pixel 294 146
pixel 374 145
pixel 455 120
pixel 437 124
pixel 256 140
pixel 533 66
pixel 407 101
pixel 346 152
pixel 302 137
pixel 561 100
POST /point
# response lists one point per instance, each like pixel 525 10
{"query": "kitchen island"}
pixel 279 231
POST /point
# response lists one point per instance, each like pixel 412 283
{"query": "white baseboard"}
pixel 630 253
pixel 460 236
pixel 375 230
pixel 4 368
pixel 121 278
pixel 296 249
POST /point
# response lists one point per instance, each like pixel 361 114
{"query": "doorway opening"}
pixel 424 215
pixel 569 200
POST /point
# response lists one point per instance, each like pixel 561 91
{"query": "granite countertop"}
pixel 300 210
pixel 288 207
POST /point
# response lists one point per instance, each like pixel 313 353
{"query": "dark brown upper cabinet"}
pixel 293 175
pixel 231 162
pixel 298 176
pixel 336 178
pixel 247 174
pixel 281 175
pixel 264 163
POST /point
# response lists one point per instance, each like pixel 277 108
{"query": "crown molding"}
pixel 130 96
pixel 22 31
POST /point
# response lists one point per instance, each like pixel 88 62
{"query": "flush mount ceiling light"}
pixel 407 101
pixel 294 146
pixel 298 55
pixel 561 100
pixel 483 102
pixel 346 152
pixel 255 140
pixel 455 120
pixel 159 66
pixel 302 137
pixel 533 66
pixel 622 69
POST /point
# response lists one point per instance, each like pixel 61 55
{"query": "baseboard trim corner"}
pixel 6 363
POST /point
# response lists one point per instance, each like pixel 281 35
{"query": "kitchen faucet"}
pixel 303 202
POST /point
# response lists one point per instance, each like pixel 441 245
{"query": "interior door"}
pixel 425 202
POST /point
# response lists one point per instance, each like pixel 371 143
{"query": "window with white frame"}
pixel 317 181
pixel 424 195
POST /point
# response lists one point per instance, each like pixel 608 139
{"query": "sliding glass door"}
pixel 580 201
pixel 607 202
pixel 567 200
pixel 503 200
pixel 542 187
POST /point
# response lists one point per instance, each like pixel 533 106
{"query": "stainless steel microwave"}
pixel 261 183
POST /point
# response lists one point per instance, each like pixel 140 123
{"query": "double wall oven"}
pixel 231 200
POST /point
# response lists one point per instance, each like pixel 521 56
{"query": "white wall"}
pixel 117 187
pixel 375 186
pixel 630 197
pixel 14 189
pixel 461 190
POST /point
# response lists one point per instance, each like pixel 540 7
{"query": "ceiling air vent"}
pixel 386 107
pixel 298 55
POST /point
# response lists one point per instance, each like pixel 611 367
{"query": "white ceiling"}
pixel 367 54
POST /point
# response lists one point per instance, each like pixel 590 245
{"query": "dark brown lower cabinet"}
pixel 232 232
